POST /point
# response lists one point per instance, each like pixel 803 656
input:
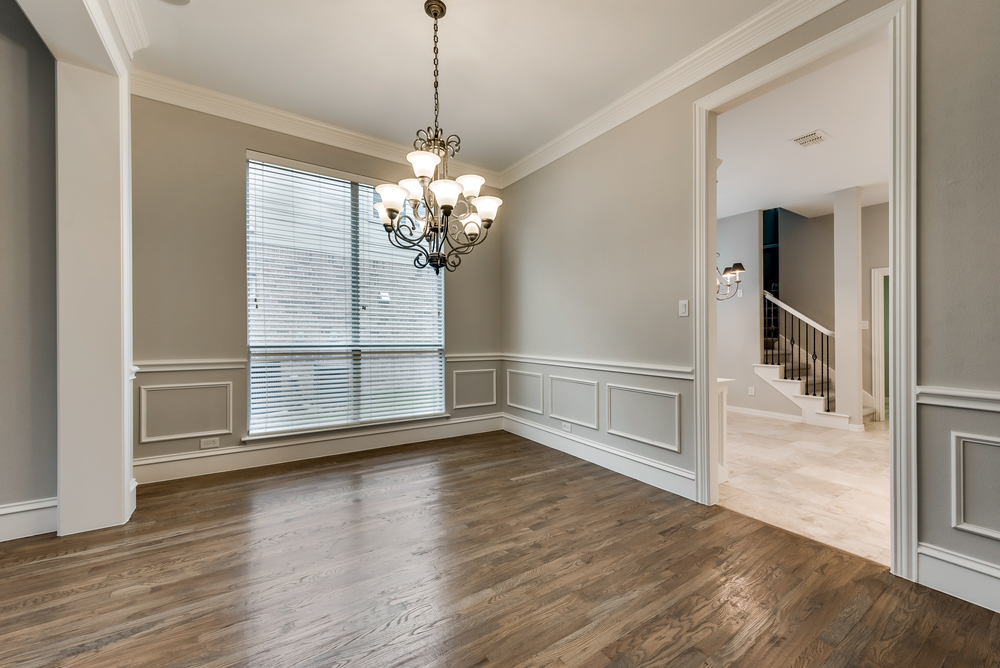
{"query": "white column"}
pixel 847 303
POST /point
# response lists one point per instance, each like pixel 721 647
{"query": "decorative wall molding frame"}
pixel 950 397
pixel 28 518
pixel 465 372
pixel 541 391
pixel 958 441
pixel 162 89
pixel 144 391
pixel 900 16
pixel 963 577
pixel 673 447
pixel 130 26
pixel 784 417
pixel 160 366
pixel 597 400
pixel 202 462
pixel 766 26
pixel 637 467
pixel 658 371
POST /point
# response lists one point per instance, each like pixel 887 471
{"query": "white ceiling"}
pixel 850 99
pixel 514 73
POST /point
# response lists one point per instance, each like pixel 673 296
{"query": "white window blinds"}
pixel 342 328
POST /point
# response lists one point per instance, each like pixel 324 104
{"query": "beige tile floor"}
pixel 827 484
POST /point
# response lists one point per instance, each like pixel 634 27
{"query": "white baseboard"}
pixel 649 471
pixel 204 462
pixel 786 417
pixel 27 518
pixel 963 577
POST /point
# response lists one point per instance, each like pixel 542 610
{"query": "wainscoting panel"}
pixel 975 492
pixel 574 400
pixel 644 415
pixel 185 410
pixel 472 388
pixel 524 390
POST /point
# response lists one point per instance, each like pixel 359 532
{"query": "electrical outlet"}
pixel 864 324
pixel 739 293
pixel 209 443
pixel 682 308
pixel 750 391
pixel 567 426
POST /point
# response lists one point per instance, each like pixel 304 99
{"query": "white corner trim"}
pixel 162 89
pixel 958 441
pixel 454 388
pixel 144 390
pixel 597 400
pixel 771 415
pixel 541 391
pixel 203 462
pixel 637 467
pixel 681 373
pixel 963 577
pixel 676 447
pixel 766 26
pixel 28 518
pixel 130 26
pixel 950 397
pixel 159 366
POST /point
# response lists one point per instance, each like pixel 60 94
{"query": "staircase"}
pixel 796 362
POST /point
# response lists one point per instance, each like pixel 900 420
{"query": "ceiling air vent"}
pixel 812 138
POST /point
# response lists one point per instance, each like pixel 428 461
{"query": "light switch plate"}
pixel 682 308
pixel 750 391
pixel 739 293
pixel 864 324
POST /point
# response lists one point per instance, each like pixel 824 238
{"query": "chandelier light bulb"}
pixel 393 196
pixel 471 184
pixel 447 193
pixel 487 207
pixel 416 190
pixel 423 163
pixel 473 226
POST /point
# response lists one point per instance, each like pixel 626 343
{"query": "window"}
pixel 342 328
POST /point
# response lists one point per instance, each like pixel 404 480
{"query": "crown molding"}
pixel 162 89
pixel 766 26
pixel 130 26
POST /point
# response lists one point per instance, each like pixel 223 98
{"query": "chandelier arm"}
pixel 405 222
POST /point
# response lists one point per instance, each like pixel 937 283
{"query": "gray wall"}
pixel 27 261
pixel 958 242
pixel 739 239
pixel 874 254
pixel 805 251
pixel 189 252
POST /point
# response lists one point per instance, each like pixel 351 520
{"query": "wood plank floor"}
pixel 485 550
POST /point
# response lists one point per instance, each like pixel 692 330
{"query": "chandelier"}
pixel 730 278
pixel 439 218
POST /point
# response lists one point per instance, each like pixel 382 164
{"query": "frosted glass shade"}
pixel 473 226
pixel 471 185
pixel 393 197
pixel 382 215
pixel 413 186
pixel 446 192
pixel 487 207
pixel 423 163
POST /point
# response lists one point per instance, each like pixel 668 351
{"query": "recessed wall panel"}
pixel 645 415
pixel 474 387
pixel 171 412
pixel 573 400
pixel 524 390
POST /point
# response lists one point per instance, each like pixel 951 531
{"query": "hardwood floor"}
pixel 485 550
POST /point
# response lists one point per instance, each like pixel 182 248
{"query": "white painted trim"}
pixel 597 401
pixel 160 366
pixel 28 518
pixel 130 25
pixel 680 373
pixel 203 462
pixel 145 389
pixel 454 388
pixel 878 334
pixel 294 433
pixel 958 441
pixel 541 392
pixel 963 577
pixel 633 437
pixel 901 16
pixel 950 397
pixel 784 417
pixel 474 357
pixel 162 89
pixel 637 467
pixel 766 26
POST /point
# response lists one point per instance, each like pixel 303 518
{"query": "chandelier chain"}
pixel 437 105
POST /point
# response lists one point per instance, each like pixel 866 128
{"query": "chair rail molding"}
pixel 952 397
pixel 159 366
pixel 900 16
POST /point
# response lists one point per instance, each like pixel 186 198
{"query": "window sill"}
pixel 253 438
